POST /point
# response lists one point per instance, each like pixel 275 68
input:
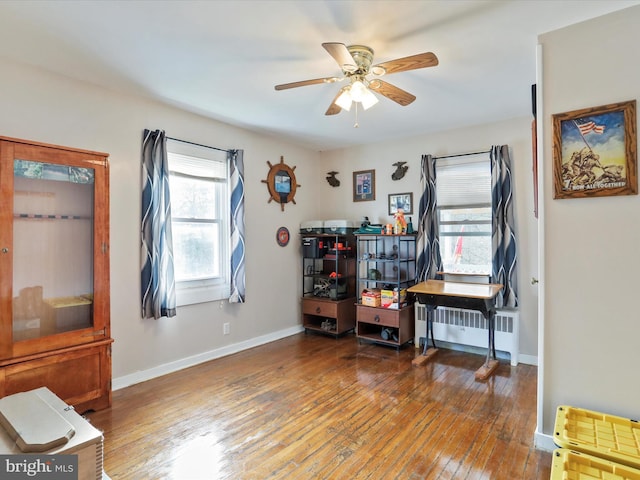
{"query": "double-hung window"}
pixel 199 221
pixel 464 213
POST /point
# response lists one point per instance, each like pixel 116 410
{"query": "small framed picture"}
pixel 401 201
pixel 364 185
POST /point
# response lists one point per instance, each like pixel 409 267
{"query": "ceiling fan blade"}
pixel 391 92
pixel 334 108
pixel 421 60
pixel 341 54
pixel 304 83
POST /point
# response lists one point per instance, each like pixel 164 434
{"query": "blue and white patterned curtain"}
pixel 503 226
pixel 236 177
pixel 158 293
pixel 428 242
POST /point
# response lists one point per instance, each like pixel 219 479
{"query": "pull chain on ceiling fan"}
pixel 355 62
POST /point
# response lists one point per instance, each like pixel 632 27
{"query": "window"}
pixel 464 212
pixel 198 182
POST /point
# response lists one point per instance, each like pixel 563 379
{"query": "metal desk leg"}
pixel 492 327
pixel 491 363
pixel 427 352
pixel 429 332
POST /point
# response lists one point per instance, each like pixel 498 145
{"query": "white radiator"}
pixel 469 327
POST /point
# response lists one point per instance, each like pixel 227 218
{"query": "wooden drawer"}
pixel 324 308
pixel 372 322
pixel 378 316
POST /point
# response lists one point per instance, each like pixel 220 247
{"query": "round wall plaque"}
pixel 282 236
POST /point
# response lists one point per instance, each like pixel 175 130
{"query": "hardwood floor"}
pixel 313 407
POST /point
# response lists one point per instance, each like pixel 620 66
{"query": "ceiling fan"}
pixel 355 62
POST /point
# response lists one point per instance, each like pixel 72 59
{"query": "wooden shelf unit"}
pixel 328 283
pixel 385 262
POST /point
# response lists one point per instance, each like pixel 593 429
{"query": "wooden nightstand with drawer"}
pixel 329 316
pixel 393 327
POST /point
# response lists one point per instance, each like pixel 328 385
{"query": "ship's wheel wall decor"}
pixel 281 183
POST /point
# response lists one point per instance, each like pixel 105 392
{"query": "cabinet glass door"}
pixel 53 257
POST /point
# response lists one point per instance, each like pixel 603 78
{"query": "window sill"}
pixel 194 295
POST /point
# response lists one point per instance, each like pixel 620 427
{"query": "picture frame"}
pixel 594 151
pixel 364 185
pixel 401 200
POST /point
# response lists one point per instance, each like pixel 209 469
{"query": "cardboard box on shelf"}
pixel 393 299
pixel 371 298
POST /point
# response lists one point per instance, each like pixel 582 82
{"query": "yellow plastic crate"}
pixel 606 436
pixel 572 465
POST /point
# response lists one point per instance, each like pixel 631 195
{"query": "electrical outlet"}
pixel 226 328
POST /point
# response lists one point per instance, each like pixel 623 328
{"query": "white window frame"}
pixel 189 292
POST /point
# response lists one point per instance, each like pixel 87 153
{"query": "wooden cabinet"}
pixel 328 283
pixel 54 272
pixel 386 268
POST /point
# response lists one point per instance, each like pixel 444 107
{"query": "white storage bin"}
pixel 340 226
pixel 311 226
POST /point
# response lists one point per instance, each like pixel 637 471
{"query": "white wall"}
pixel 381 156
pixel 590 244
pixel 48 108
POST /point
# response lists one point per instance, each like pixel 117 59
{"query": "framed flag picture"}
pixel 594 151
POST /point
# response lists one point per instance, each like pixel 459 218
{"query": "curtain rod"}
pixel 197 144
pixel 463 154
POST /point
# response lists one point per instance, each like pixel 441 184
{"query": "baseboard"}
pixel 544 442
pixel 522 358
pixel 144 375
pixel 528 359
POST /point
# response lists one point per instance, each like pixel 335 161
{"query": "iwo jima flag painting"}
pixel 594 151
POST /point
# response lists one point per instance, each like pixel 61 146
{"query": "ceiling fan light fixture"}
pixel 344 99
pixel 368 99
pixel 358 91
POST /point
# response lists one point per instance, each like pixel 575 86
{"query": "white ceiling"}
pixel 222 59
